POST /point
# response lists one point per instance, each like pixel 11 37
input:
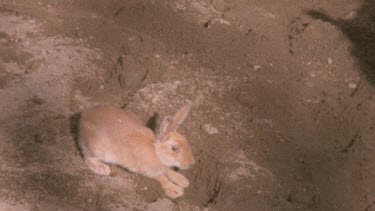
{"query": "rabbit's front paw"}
pixel 178 179
pixel 173 191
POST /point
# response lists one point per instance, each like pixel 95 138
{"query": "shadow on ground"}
pixel 360 29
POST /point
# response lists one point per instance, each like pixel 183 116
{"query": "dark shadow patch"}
pixel 369 206
pixel 361 32
pixel 74 129
pixel 35 131
pixel 60 188
pixel 321 16
pixel 151 123
pixel 31 142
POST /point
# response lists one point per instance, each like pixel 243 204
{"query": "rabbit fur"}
pixel 111 135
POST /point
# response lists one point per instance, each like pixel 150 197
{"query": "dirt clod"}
pixel 209 129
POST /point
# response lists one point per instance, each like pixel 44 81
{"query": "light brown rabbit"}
pixel 110 135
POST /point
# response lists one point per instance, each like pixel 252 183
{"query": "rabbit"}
pixel 111 135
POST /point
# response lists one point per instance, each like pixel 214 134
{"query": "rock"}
pixel 161 205
pixel 329 61
pixel 256 67
pixel 209 129
pixel 352 85
pixel 350 15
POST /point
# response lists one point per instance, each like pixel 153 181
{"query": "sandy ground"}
pixel 283 115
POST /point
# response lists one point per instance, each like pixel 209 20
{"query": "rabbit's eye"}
pixel 175 149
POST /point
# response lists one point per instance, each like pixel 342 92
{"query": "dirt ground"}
pixel 283 95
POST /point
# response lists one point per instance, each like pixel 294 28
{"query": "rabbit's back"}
pixel 112 133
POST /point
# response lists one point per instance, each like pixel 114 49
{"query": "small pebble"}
pixel 350 15
pixel 256 67
pixel 222 21
pixel 101 86
pixel 329 60
pixel 352 85
pixel 209 129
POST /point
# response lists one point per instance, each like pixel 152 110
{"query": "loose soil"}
pixel 282 91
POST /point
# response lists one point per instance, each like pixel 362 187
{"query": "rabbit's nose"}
pixel 191 162
pixel 187 164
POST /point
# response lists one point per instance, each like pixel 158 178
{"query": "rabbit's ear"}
pixel 170 124
pixel 164 127
pixel 180 116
